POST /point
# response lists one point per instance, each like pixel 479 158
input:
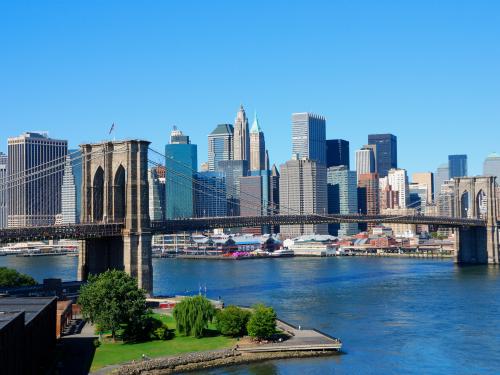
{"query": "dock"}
pixel 300 340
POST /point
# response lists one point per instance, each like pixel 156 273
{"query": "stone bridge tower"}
pixel 477 198
pixel 115 190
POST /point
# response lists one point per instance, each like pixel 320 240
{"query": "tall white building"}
pixel 156 192
pixel 36 164
pixel 365 161
pixel 68 194
pixel 309 136
pixel 3 190
pixel 398 179
pixel 257 147
pixel 303 190
pixel 241 136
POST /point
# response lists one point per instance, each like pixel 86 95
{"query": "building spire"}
pixel 255 126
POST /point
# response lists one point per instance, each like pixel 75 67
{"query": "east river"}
pixel 395 316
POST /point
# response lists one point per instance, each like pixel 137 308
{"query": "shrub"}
pixel 232 321
pixel 193 315
pixel 163 333
pixel 12 278
pixel 262 323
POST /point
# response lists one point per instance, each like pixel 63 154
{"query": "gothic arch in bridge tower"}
pixel 482 204
pixel 98 195
pixel 464 204
pixel 479 195
pixel 119 195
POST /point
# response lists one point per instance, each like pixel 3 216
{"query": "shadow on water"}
pixel 475 271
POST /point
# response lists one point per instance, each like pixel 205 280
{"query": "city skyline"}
pixel 393 73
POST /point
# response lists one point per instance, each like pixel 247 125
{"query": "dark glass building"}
pixel 387 152
pixel 337 153
pixel 457 165
pixel 233 170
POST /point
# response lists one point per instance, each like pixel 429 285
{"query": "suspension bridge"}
pixel 115 229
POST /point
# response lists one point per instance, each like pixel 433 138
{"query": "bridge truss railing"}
pixel 70 231
pixel 193 224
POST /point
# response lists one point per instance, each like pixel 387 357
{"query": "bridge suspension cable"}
pixel 254 198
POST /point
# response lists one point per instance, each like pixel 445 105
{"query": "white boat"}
pixel 283 253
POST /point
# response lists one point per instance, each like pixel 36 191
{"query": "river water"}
pixel 394 315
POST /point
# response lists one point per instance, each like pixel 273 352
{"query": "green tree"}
pixel 112 300
pixel 12 278
pixel 192 315
pixel 232 321
pixel 262 323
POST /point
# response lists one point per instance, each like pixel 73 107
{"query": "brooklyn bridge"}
pixel 115 230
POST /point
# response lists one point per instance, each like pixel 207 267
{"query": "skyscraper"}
pixel 156 191
pixel 3 190
pixel 274 191
pixel 418 196
pixel 178 138
pixel 309 137
pixel 398 179
pixel 181 162
pixel 442 174
pixel 274 195
pixel 342 198
pixel 232 171
pixel 253 200
pixel 71 188
pixel 425 179
pixel 241 136
pixel 457 165
pixel 257 147
pixel 491 166
pixel 210 195
pixel 387 152
pixel 446 206
pixel 365 161
pixel 34 199
pixel 368 196
pixel 303 190
pixel 220 145
pixel 337 153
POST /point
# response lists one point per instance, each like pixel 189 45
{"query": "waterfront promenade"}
pixel 300 339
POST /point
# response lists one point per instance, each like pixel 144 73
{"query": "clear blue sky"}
pixel 427 71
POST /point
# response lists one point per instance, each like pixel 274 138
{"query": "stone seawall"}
pixel 207 360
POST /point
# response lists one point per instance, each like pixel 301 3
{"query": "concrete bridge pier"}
pixel 471 247
pixel 99 255
pixel 477 245
pixel 137 258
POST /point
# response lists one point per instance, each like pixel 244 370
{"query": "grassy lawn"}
pixel 110 353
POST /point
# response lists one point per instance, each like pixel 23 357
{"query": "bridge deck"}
pixel 102 230
pixel 72 231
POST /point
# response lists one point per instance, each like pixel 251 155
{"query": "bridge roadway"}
pixel 104 230
pixel 193 224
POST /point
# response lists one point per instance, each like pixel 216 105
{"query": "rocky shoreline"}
pixel 207 360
